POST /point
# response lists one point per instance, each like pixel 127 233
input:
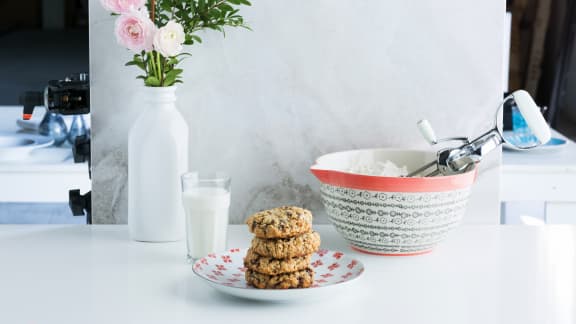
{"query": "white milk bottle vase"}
pixel 157 157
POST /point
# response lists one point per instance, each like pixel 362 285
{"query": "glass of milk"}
pixel 206 199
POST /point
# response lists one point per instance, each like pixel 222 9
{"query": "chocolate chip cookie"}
pixel 271 266
pixel 299 279
pixel 280 222
pixel 283 248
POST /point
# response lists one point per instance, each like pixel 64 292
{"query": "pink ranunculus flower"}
pixel 135 31
pixel 122 6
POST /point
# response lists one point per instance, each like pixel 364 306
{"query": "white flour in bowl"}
pixel 378 168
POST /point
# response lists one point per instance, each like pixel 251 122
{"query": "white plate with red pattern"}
pixel 225 272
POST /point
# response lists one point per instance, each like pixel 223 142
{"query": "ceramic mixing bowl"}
pixel 391 215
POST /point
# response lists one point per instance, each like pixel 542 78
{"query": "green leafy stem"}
pixel 159 71
pixel 194 16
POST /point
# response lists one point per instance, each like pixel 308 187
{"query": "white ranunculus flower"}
pixel 168 39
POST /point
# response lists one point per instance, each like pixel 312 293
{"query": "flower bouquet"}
pixel 157 30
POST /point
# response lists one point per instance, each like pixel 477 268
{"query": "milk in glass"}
pixel 206 219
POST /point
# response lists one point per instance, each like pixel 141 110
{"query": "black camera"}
pixel 70 96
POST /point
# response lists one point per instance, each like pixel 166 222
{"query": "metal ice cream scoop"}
pixel 460 159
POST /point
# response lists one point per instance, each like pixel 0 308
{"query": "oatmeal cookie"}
pixel 283 248
pixel 271 266
pixel 299 279
pixel 280 222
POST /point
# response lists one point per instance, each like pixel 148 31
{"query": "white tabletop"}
pixel 94 274
pixel 46 175
pixel 562 159
pixel 547 175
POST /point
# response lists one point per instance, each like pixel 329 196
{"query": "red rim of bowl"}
pixel 395 184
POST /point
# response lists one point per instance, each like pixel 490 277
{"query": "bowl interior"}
pixel 343 161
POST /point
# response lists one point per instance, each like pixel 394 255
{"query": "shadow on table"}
pixel 200 294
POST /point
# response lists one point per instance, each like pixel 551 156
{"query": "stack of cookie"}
pixel 284 242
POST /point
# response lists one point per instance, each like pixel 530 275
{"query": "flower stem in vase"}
pixel 160 74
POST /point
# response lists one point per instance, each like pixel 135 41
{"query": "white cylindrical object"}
pixel 206 220
pixel 427 131
pixel 532 115
pixel 157 157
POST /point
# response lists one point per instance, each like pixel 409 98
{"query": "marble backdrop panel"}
pixel 312 78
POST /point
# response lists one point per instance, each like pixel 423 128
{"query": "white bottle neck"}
pixel 160 97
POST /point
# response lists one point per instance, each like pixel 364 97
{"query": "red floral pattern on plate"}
pixel 331 267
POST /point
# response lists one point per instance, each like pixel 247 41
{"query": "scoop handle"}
pixel 532 115
pixel 427 131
